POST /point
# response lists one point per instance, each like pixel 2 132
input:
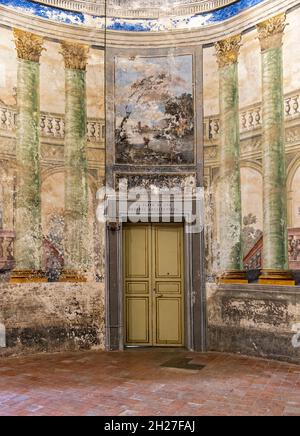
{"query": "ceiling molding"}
pixel 181 38
pixel 139 8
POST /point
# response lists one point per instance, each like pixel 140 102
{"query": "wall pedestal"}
pixel 233 277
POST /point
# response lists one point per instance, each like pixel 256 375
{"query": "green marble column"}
pixel 275 251
pixel 28 244
pixel 230 219
pixel 76 168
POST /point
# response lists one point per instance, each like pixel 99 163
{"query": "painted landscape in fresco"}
pixel 154 108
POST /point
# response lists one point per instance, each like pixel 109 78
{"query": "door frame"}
pixel 151 259
pixel 195 292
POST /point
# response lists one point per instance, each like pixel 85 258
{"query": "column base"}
pixel 28 276
pixel 233 277
pixel 71 276
pixel 277 278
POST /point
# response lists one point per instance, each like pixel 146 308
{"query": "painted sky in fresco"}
pixel 178 69
pixel 130 25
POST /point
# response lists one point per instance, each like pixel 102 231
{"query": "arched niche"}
pixel 252 205
pixel 252 194
pixel 294 199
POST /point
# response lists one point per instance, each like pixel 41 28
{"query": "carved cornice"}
pixel 75 55
pixel 270 32
pixel 228 50
pixel 29 46
pixel 203 35
pixel 143 9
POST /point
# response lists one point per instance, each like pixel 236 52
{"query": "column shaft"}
pixel 76 189
pixel 230 207
pixel 231 253
pixel 28 242
pixel 275 250
pixel 77 233
pixel 28 199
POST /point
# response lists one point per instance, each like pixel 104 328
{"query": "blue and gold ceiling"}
pixel 164 21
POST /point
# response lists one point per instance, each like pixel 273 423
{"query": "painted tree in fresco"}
pixel 181 110
pixel 140 92
pixel 182 106
pixel 177 120
pixel 158 84
pixel 142 89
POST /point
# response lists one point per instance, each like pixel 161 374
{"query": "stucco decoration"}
pixel 228 50
pixel 29 46
pixel 75 55
pixel 270 32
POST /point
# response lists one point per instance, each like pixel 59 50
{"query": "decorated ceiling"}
pixel 134 15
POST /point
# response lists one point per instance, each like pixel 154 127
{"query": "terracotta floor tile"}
pixel 134 383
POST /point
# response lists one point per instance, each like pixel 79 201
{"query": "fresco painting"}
pixel 154 110
pixel 89 102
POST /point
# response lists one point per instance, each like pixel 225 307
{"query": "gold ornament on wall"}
pixel 228 50
pixel 75 55
pixel 270 32
pixel 29 46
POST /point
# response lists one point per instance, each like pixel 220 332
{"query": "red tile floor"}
pixel 134 383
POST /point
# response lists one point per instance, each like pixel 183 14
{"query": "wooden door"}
pixel 154 285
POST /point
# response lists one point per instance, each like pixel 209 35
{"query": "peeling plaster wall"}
pixel 55 317
pixel 250 98
pixel 52 317
pixel 52 105
pixel 254 320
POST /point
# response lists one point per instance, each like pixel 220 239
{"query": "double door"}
pixel 153 266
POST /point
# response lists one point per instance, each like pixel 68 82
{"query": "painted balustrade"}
pixel 251 118
pixel 7 238
pixel 294 248
pixel 51 125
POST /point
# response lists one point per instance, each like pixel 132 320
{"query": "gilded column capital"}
pixel 75 55
pixel 228 50
pixel 270 32
pixel 29 46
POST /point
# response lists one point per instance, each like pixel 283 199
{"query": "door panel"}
pixel 137 276
pixel 137 288
pixel 137 252
pixel 154 285
pixel 168 321
pixel 167 252
pixel 168 287
pixel 168 284
pixel 137 310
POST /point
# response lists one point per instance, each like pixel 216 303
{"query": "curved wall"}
pixel 150 38
pixel 52 97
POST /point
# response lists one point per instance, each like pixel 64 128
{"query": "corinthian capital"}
pixel 228 50
pixel 75 55
pixel 270 32
pixel 29 46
